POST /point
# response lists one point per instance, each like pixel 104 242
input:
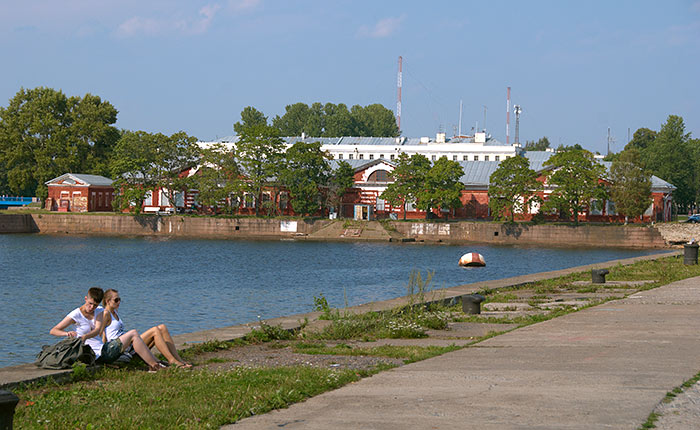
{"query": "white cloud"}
pixel 151 27
pixel 384 28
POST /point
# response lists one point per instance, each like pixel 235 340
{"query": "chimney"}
pixel 440 137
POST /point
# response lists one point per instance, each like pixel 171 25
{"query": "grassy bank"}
pixel 210 397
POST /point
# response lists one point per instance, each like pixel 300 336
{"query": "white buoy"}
pixel 472 259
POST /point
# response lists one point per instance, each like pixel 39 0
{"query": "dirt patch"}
pixel 279 354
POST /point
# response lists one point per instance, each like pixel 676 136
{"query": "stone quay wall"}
pixel 659 236
pixel 17 223
pixel 176 226
pixel 546 234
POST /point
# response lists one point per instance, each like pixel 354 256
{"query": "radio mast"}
pixel 398 95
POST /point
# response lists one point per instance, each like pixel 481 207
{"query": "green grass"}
pixel 410 354
pixel 172 399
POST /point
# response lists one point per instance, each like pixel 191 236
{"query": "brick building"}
pixel 77 192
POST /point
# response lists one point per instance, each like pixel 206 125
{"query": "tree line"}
pixel 45 133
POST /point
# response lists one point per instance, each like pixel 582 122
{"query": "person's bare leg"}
pixel 132 338
pixel 154 336
pixel 170 343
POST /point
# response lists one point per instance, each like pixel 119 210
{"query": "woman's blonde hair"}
pixel 108 296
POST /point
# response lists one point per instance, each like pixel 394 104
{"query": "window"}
pixel 380 204
pixel 371 156
pixel 379 176
pixel 148 201
pixel 284 199
pixel 465 158
pixel 433 157
pixel 65 194
pixel 340 156
pixel 391 157
pixel 100 201
pixel 349 156
pixel 486 158
pixel 248 200
pixel 497 158
pixel 361 157
pixel 381 156
pixel 454 158
pixel 476 158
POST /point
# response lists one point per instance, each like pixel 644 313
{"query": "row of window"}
pixel 433 157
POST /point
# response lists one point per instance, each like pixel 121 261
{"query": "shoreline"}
pixel 411 231
pixel 11 376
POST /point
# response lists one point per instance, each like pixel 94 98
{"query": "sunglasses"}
pixel 117 300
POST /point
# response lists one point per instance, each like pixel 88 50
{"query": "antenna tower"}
pixel 460 118
pixel 517 110
pixel 398 94
pixel 508 118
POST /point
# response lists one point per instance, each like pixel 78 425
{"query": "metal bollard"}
pixel 598 275
pixel 8 401
pixel 690 254
pixel 471 303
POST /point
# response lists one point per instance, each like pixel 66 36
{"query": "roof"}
pixel 364 140
pixel 81 179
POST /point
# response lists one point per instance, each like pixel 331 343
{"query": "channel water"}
pixel 193 285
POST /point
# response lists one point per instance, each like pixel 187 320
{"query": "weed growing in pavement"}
pixel 267 333
pixel 496 297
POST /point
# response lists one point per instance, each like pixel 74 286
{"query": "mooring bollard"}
pixel 690 254
pixel 8 401
pixel 598 275
pixel 471 303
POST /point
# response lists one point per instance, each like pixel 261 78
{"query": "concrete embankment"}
pixel 13 375
pixel 342 230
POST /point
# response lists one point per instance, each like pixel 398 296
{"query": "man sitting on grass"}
pixel 88 326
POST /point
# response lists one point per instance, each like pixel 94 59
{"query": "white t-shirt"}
pixel 84 326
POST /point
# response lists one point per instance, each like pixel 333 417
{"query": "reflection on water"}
pixel 194 285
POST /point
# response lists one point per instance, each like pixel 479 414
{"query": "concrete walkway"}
pixel 603 367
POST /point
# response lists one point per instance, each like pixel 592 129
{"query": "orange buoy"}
pixel 472 259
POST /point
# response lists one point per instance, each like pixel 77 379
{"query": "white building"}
pixel 479 147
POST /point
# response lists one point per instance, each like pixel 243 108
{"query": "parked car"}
pixel 695 218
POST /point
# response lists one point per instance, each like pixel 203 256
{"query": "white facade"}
pixel 466 148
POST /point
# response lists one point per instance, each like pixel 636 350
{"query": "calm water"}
pixel 200 284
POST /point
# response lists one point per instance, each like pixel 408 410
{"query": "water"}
pixel 193 285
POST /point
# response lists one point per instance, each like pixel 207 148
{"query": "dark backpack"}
pixel 64 354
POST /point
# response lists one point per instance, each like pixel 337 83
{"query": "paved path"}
pixel 604 367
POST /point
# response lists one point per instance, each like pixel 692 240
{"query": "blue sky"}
pixel 576 68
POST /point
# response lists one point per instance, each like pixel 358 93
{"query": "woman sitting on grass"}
pixel 88 320
pixel 158 335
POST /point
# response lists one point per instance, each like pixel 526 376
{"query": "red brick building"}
pixel 77 192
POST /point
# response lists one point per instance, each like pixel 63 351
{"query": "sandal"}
pixel 154 368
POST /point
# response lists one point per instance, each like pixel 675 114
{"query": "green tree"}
pixel 341 180
pixel 669 157
pixel 293 122
pixel 175 154
pixel 575 176
pixel 133 168
pixel 641 139
pixel 630 184
pixel 374 120
pixel 339 121
pixel 306 171
pixel 409 177
pixel 442 188
pixel 44 134
pixel 259 152
pixel 218 177
pixel 250 117
pixel 541 145
pixel 512 187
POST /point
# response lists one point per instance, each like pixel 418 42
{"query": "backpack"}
pixel 65 353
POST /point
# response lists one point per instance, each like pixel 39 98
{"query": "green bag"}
pixel 64 354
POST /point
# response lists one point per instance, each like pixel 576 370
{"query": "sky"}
pixel 575 68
